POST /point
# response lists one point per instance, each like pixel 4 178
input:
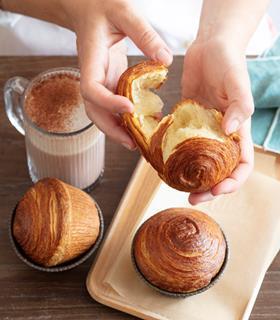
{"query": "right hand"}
pixel 215 74
pixel 100 27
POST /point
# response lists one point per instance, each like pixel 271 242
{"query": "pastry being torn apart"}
pixel 188 147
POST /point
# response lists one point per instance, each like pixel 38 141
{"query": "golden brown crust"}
pixel 134 72
pixel 35 219
pixel 179 250
pixel 196 164
pixel 124 88
pixel 155 150
pixel 199 163
pixel 131 123
pixel 55 222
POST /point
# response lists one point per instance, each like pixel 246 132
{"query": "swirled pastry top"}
pixel 188 147
pixel 179 250
pixel 55 222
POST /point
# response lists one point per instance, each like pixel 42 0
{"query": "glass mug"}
pixel 75 157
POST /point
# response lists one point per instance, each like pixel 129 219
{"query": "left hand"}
pixel 215 74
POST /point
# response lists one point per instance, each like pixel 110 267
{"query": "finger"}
pixel 241 104
pixel 93 57
pixel 241 173
pixel 110 124
pixel 144 36
pixel 191 81
pixel 195 198
pixel 117 65
pixel 234 182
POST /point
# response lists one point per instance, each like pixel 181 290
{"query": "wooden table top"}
pixel 29 294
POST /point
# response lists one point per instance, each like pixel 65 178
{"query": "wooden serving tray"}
pixel 138 194
pixel 136 199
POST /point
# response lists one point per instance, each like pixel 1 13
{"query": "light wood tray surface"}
pixel 139 193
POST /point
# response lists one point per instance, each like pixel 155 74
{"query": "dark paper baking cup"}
pixel 181 294
pixel 66 265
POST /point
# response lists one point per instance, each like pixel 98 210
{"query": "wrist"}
pixel 220 52
pixel 223 43
pixel 226 34
pixel 232 20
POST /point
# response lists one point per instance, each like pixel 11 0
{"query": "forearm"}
pixel 48 10
pixel 231 20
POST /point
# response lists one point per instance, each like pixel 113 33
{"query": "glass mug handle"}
pixel 13 94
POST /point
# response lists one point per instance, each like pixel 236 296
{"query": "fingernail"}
pixel 233 126
pixel 200 197
pixel 164 56
pixel 126 109
pixel 128 146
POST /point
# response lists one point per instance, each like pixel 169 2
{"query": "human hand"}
pixel 100 27
pixel 215 74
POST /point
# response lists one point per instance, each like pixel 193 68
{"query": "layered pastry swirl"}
pixel 179 250
pixel 188 147
pixel 55 222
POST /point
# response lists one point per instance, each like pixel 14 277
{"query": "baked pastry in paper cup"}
pixel 180 252
pixel 55 226
pixel 188 147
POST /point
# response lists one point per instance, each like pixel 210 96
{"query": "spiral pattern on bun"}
pixel 200 163
pixel 179 250
pixel 188 147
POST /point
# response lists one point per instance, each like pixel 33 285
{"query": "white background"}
pixel 274 11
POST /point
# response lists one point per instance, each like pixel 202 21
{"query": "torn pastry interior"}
pixel 188 147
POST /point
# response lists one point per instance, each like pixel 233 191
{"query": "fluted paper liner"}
pixel 250 219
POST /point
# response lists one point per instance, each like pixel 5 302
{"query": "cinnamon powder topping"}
pixel 52 102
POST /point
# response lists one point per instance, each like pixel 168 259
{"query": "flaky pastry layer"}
pixel 188 147
pixel 179 250
pixel 55 222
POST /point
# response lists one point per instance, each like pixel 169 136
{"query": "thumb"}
pixel 241 104
pixel 144 36
pixel 94 63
